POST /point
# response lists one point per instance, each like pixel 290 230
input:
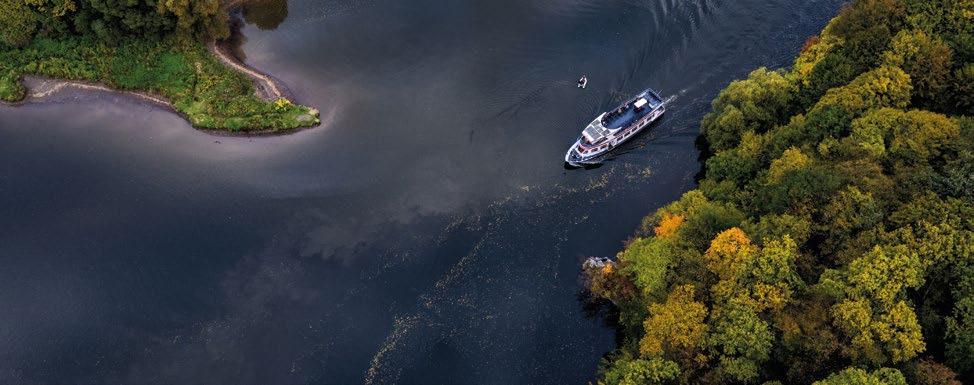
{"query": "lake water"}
pixel 426 233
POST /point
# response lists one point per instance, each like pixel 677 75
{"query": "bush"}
pixel 10 88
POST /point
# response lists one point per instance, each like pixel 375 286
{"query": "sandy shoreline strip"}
pixel 39 88
pixel 50 86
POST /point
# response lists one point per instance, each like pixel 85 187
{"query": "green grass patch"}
pixel 211 95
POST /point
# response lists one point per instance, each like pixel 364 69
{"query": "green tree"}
pixel 880 326
pixel 741 342
pixel 956 178
pixel 676 329
pixel 908 136
pixel 927 60
pixel 773 280
pixel 730 254
pixel 739 164
pixel 794 182
pixel 196 17
pixel 960 335
pixel 862 15
pixel 647 261
pixel 849 212
pixel 755 104
pixel 928 207
pixel 857 376
pixel 790 161
pixel 761 279
pixel 115 20
pixel 17 23
pixel 809 343
pixel 770 227
pixel 950 19
pixel 853 43
pixel 704 219
pixel 628 371
pixel 751 281
pixel 963 88
pixel 885 86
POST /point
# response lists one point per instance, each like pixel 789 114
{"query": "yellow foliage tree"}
pixel 669 225
pixel 872 312
pixel 676 329
pixel 761 279
pixel 729 253
pixel 791 160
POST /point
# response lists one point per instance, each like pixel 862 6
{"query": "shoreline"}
pixel 266 87
pixel 43 87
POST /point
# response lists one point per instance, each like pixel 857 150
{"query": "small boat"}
pixel 610 129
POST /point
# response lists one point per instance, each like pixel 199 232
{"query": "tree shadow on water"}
pixel 595 307
pixel 265 14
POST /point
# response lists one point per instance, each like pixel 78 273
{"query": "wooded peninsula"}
pixel 831 240
pixel 165 48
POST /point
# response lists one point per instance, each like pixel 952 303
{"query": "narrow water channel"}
pixel 426 233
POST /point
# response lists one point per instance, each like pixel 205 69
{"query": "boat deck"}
pixel 615 120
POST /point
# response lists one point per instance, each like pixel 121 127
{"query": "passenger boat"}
pixel 610 129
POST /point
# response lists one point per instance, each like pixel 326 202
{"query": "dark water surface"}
pixel 426 233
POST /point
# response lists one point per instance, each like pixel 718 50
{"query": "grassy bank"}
pixel 209 94
pixel 832 238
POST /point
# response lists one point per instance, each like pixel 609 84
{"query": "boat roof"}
pixel 627 113
pixel 594 132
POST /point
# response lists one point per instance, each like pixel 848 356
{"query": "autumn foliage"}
pixel 832 238
pixel 668 225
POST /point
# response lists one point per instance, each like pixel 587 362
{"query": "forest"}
pixel 831 237
pixel 139 45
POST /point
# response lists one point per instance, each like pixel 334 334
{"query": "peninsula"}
pixel 169 53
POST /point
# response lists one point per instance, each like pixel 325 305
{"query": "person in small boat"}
pixel 583 82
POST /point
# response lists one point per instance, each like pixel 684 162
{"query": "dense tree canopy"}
pixel 110 20
pixel 831 240
pixel 857 376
